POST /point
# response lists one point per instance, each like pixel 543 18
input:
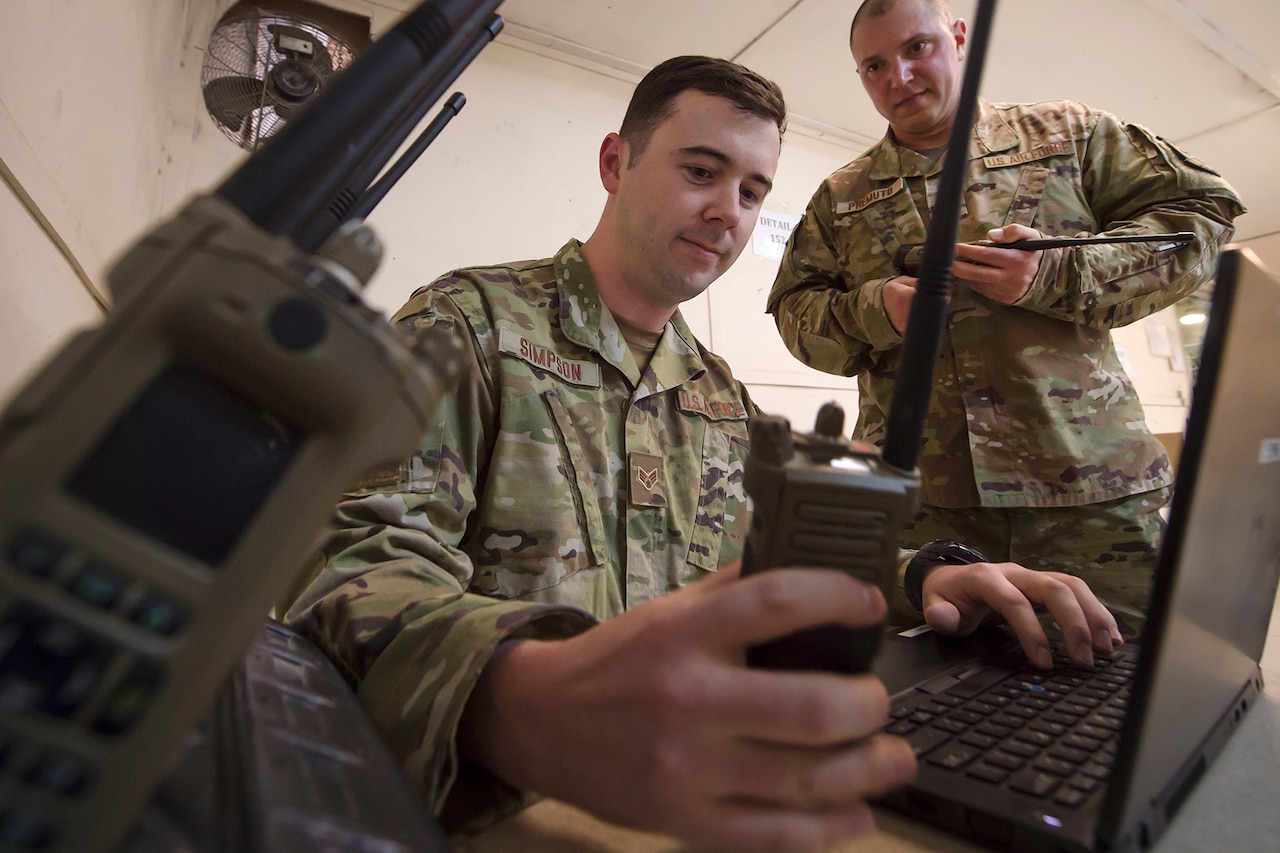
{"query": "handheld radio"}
pixel 166 475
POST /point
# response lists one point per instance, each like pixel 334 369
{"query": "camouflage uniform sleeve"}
pixel 828 323
pixel 391 605
pixel 1136 182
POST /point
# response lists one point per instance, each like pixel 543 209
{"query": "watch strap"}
pixel 939 552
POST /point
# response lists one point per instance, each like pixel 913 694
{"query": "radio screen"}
pixel 189 463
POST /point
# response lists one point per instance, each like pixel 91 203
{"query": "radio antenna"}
pixel 904 427
pixel 290 182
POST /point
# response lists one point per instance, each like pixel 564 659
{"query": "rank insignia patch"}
pixel 648 480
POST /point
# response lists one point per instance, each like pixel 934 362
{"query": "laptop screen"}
pixel 1216 580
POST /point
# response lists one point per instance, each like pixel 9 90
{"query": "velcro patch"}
pixel 573 371
pixel 995 161
pixel 870 198
pixel 716 410
pixel 648 480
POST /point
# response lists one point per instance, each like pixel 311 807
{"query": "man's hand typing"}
pixel 957 598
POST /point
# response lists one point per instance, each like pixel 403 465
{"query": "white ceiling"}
pixel 1203 73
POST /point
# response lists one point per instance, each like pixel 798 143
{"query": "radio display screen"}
pixel 189 463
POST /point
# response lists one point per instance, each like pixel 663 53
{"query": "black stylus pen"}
pixel 907 258
pixel 1179 238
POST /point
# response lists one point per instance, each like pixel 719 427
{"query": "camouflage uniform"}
pixel 1031 407
pixel 559 485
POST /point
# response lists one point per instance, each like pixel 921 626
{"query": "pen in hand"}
pixel 907 259
pixel 1176 240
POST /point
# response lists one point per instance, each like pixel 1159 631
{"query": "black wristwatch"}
pixel 939 552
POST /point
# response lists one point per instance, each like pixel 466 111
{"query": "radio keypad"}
pixel 51 666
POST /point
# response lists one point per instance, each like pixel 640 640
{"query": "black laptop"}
pixel 1101 758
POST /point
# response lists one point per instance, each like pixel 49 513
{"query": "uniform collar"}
pixel 586 321
pixel 991 133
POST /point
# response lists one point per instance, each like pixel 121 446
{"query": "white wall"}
pixel 90 148
pixel 111 134
pixel 40 295
pixel 1153 354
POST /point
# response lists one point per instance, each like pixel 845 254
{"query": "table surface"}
pixel 1236 806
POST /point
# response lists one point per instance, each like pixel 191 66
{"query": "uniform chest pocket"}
pixel 868 236
pixel 720 520
pixel 544 523
pixel 1026 198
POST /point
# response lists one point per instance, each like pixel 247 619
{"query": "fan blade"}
pixel 231 99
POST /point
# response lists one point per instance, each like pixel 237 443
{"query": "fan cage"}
pixel 240 53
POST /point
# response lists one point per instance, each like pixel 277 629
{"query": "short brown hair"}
pixel 653 100
pixel 876 8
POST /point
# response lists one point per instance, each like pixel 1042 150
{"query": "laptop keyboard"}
pixel 1048 734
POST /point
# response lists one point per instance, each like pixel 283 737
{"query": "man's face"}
pixel 909 63
pixel 687 205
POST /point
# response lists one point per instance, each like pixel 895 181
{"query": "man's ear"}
pixel 613 158
pixel 959 30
